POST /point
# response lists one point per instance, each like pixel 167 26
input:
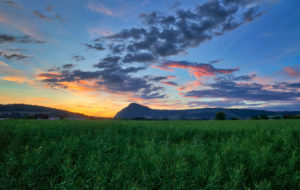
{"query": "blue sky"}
pixel 61 54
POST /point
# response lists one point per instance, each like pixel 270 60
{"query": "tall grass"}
pixel 149 154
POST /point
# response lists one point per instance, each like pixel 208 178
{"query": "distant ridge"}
pixel 135 110
pixel 25 109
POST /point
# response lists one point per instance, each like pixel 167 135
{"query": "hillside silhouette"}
pixel 137 111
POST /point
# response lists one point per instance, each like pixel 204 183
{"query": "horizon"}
pixel 124 108
pixel 96 57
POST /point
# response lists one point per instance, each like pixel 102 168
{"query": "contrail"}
pixel 230 44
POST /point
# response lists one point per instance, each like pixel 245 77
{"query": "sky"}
pixel 97 56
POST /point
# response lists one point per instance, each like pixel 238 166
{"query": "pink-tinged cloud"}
pixel 197 69
pixel 292 71
pixel 98 7
pixel 192 85
pixel 171 77
pixel 50 75
pixel 8 73
pixel 3 19
pixel 96 32
pixel 21 21
pixel 170 83
pixel 162 68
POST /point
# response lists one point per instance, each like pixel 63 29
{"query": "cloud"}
pixel 41 16
pixel 165 35
pixel 189 86
pixel 159 78
pixel 228 89
pixel 283 86
pixel 293 85
pixel 244 77
pixel 5 38
pixel 9 3
pixel 78 58
pixel 13 55
pixel 222 104
pixel 160 36
pixel 96 46
pixel 6 69
pixel 99 8
pixel 109 77
pixel 99 31
pixel 3 19
pixel 49 9
pixel 140 57
pixel 16 49
pixel 17 16
pixel 13 75
pixel 68 66
pixel 197 69
pixel 175 5
pixel 170 83
pixel 292 71
pixel 111 61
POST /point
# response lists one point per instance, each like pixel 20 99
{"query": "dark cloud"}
pixel 293 85
pixel 244 77
pixel 78 58
pixel 13 55
pixel 96 46
pixel 251 14
pixel 5 38
pixel 170 83
pixel 157 78
pixel 111 61
pixel 110 77
pixel 222 104
pixel 68 66
pixel 248 3
pixel 116 49
pixel 161 79
pixel 166 35
pixel 135 33
pixel 54 69
pixel 284 106
pixel 243 91
pixel 160 36
pixel 232 77
pixel 140 57
pixel 153 92
pixel 286 85
pixel 9 2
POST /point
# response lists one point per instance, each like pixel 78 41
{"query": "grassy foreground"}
pixel 149 154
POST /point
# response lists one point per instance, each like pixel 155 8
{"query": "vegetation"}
pixel 63 154
pixel 24 111
pixel 220 116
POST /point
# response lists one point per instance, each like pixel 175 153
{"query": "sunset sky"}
pixel 97 56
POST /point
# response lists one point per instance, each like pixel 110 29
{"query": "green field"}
pixel 37 154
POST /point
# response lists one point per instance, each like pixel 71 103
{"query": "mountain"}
pixel 23 110
pixel 133 111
